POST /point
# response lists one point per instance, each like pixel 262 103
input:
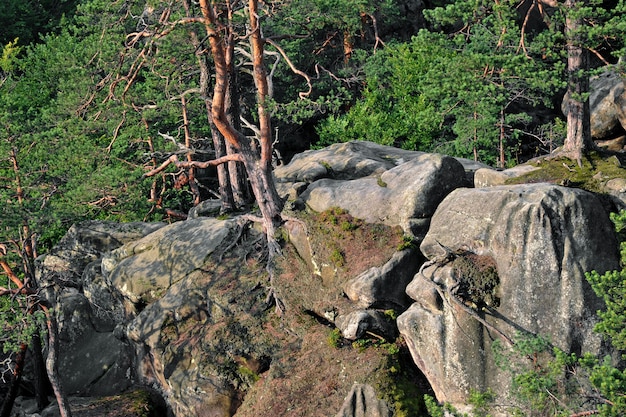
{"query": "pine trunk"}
pixel 578 140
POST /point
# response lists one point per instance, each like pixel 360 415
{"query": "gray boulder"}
pixel 607 103
pixel 541 239
pixel 405 195
pixel 144 269
pixel 384 286
pixel 357 323
pixel 87 311
pixel 349 161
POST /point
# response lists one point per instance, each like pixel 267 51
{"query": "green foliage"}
pixel 416 90
pixel 543 379
pixel 10 52
pixel 18 327
pixel 620 226
pixel 481 401
pixel 408 242
pixel 337 257
pixel 611 287
pixel 335 338
pixel 28 20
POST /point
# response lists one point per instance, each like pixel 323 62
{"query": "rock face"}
pixel 608 104
pixel 188 308
pixel 379 184
pixel 541 240
pixel 363 402
pixel 89 309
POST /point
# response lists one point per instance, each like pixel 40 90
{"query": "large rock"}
pixel 144 269
pixel 384 286
pixel 349 161
pixel 541 239
pixel 160 276
pixel 405 195
pixel 608 105
pixel 87 310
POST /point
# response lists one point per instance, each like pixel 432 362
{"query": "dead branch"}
pixel 193 164
pixel 301 94
pixel 522 43
pixel 9 272
pixel 376 35
pixel 52 362
pixel 116 132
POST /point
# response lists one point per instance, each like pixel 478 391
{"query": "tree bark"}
pixel 578 140
pixel 42 385
pixel 52 364
pixel 237 171
pixel 219 145
pixel 258 163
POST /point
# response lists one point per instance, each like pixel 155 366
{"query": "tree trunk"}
pixel 41 377
pixel 219 145
pixel 258 164
pixel 223 173
pixel 578 140
pixel 52 364
pixel 237 171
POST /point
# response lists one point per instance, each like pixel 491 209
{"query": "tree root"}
pixel 273 250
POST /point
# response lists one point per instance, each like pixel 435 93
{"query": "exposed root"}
pixel 273 250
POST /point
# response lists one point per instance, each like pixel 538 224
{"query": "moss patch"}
pixel 596 170
pixel 351 244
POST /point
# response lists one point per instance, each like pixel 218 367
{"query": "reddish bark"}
pixel 578 140
pixel 258 164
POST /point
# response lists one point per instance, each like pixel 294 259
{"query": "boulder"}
pixel 489 177
pixel 384 286
pixel 607 104
pixel 158 277
pixel 541 239
pixel 87 310
pixel 144 269
pixel 356 324
pixel 405 195
pixel 349 161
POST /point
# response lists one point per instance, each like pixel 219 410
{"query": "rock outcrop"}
pixel 188 308
pixel 93 359
pixel 541 239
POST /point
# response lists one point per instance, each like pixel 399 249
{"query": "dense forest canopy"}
pixel 93 95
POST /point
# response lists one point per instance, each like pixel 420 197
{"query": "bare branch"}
pixel 301 94
pixel 192 164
